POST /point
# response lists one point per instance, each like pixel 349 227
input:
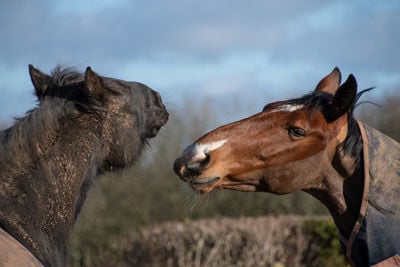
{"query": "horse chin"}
pixel 244 184
pixel 241 187
pixel 204 185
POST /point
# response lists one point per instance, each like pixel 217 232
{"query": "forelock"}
pixel 62 76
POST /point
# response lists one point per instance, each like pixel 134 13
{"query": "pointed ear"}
pixel 343 100
pixel 39 80
pixel 93 84
pixel 331 82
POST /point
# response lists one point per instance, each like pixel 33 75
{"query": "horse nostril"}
pixel 192 162
pixel 198 164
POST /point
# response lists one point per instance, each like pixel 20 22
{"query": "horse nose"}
pixel 159 119
pixel 191 163
pixel 163 116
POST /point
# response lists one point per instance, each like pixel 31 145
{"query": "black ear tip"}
pixel 89 69
pixel 351 80
pixel 31 68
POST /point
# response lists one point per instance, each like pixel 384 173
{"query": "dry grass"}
pixel 263 241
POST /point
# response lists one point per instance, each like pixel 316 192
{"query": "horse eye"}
pixel 297 131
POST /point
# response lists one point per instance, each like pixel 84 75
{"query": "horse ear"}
pixel 331 82
pixel 39 80
pixel 93 83
pixel 343 100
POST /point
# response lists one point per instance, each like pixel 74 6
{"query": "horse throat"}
pixel 341 189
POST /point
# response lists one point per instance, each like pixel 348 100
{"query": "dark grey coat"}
pixel 376 235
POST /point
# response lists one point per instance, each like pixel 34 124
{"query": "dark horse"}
pixel 85 124
pixel 313 144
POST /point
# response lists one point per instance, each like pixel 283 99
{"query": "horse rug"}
pixel 13 253
pixel 375 239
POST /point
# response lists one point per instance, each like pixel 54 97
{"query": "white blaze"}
pixel 201 151
pixel 287 108
pixel 205 148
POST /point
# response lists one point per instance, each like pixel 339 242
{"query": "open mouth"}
pixel 206 185
pixel 200 184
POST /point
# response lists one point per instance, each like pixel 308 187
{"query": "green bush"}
pixel 325 249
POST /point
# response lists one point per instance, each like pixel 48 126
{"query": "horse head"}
pixel 129 112
pixel 288 146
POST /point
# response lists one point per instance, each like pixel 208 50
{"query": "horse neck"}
pixel 49 186
pixel 343 182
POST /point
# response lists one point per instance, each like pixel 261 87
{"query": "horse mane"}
pixel 353 144
pixel 28 137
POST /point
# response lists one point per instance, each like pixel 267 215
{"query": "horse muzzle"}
pixel 191 164
pixel 189 168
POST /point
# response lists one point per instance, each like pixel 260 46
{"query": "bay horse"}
pixel 85 124
pixel 314 144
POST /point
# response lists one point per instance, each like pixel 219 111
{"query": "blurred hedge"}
pixel 263 241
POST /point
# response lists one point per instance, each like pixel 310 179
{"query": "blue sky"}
pixel 257 50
